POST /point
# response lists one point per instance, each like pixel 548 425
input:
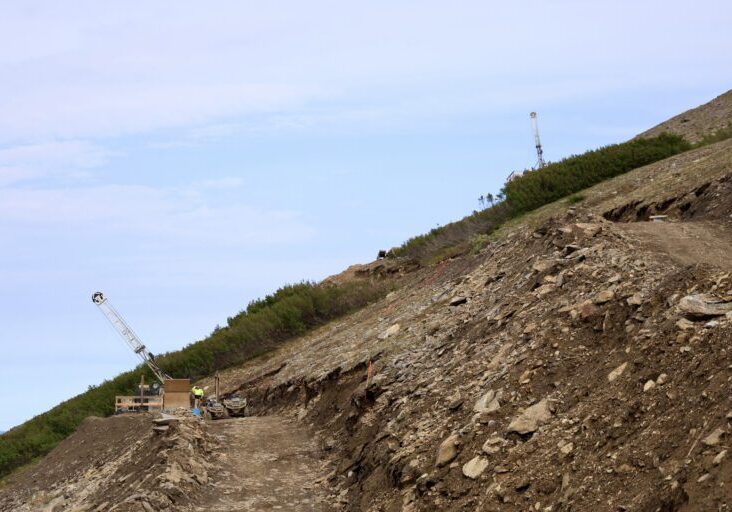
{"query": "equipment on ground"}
pixel 236 406
pixel 232 406
pixel 175 393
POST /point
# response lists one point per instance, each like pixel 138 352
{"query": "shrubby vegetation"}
pixel 557 180
pixel 264 325
pixel 534 189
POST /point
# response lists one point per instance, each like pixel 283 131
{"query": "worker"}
pixel 197 396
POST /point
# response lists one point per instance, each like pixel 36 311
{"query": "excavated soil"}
pixel 265 463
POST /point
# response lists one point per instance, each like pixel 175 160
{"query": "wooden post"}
pixel 217 389
pixel 142 391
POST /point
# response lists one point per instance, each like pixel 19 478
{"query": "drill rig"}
pixel 176 391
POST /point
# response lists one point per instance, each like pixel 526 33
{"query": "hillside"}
pixel 699 122
pixel 576 361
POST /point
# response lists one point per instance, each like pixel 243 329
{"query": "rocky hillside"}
pixel 694 124
pixel 579 361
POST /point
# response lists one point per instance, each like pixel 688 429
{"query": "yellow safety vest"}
pixel 197 392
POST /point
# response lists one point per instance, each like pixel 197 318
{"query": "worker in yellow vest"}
pixel 197 396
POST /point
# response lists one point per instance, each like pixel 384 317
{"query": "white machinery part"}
pixel 537 141
pixel 128 335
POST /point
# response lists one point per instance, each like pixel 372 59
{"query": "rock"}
pixel 703 478
pixel 604 296
pixel 475 467
pixel 719 458
pixel 587 309
pixel 649 385
pixel 617 372
pixel 625 469
pixel 566 448
pixel 165 419
pixel 703 305
pixel 391 331
pixel 684 324
pixel 714 438
pixel 448 450
pixel 458 301
pixel 57 505
pixel 492 445
pixel 635 300
pixel 455 402
pixel 662 379
pixel 529 421
pixel 544 266
pixel 589 230
pixel 489 402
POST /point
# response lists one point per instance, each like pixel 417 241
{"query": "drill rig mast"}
pixel 128 335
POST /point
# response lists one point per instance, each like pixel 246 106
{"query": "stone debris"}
pixel 714 438
pixel 489 402
pixel 617 372
pixel 703 306
pixel 475 467
pixel 391 331
pixel 448 450
pixel 649 385
pixel 532 418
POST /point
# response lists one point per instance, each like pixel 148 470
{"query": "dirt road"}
pixel 264 463
pixel 688 243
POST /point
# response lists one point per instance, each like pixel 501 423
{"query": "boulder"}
pixel 489 402
pixel 475 467
pixel 704 305
pixel 448 450
pixel 532 418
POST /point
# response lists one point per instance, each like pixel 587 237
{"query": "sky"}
pixel 186 157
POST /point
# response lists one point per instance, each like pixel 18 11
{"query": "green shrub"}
pixel 534 189
pixel 556 180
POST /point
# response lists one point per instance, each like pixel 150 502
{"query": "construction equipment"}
pixel 231 406
pixel 129 335
pixel 537 142
pixel 175 392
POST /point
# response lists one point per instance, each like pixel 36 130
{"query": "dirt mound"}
pixel 122 463
pixel 694 124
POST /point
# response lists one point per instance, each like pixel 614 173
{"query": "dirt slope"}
pixel 266 463
pixel 695 123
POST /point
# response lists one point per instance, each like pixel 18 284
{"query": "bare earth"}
pixel 688 243
pixel 265 463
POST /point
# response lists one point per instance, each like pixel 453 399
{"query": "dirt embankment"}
pixel 562 369
pixel 121 464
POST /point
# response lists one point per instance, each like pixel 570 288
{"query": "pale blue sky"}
pixel 187 158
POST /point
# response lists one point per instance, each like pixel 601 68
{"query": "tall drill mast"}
pixel 128 335
pixel 539 152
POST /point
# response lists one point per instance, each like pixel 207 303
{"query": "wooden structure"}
pixel 177 394
pixel 138 403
